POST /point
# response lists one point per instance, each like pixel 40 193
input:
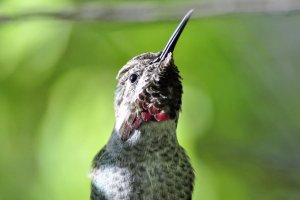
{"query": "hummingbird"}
pixel 143 159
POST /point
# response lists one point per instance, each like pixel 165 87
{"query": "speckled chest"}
pixel 159 170
pixel 145 180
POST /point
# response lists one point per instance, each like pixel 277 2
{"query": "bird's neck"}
pixel 151 137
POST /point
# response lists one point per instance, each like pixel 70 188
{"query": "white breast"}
pixel 112 181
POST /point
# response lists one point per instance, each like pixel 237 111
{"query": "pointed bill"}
pixel 175 36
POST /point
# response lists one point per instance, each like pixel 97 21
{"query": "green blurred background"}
pixel 241 104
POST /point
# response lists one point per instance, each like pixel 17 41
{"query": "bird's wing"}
pixel 96 194
pixel 100 157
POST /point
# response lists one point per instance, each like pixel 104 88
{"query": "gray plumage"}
pixel 154 168
pixel 142 159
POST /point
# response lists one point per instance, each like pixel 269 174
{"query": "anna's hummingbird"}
pixel 142 159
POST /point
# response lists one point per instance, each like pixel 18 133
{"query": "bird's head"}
pixel 149 88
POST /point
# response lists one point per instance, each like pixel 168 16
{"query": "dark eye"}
pixel 133 78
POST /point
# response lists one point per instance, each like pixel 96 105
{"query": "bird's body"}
pixel 155 167
pixel 143 159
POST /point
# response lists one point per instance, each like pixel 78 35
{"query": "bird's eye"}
pixel 133 78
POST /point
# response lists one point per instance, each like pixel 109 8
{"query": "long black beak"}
pixel 175 36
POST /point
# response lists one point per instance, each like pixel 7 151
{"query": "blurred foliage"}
pixel 241 104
